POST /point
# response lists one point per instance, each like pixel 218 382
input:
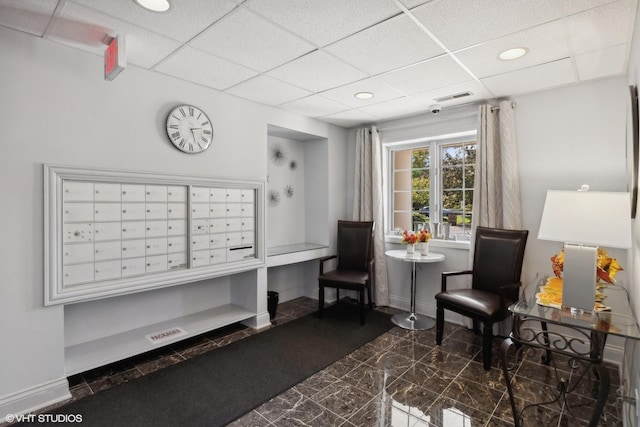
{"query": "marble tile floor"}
pixel 399 379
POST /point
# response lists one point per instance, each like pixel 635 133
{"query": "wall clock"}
pixel 189 129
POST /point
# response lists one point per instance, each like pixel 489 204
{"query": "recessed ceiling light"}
pixel 364 95
pixel 514 53
pixel 154 5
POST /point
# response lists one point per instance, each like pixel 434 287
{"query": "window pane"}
pixel 452 155
pixel 402 201
pixel 402 159
pixel 452 178
pixel 420 158
pixel 402 180
pixel 469 175
pixel 402 220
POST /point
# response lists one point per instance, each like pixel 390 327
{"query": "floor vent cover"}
pixel 165 335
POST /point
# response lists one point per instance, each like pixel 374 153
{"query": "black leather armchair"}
pixel 354 268
pixel 495 283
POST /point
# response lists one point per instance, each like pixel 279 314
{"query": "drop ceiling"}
pixel 311 56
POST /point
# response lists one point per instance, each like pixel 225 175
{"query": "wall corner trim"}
pixel 34 398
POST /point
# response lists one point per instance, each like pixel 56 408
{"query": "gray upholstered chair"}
pixel 495 283
pixel 354 269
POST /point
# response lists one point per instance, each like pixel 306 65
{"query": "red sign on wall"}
pixel 114 58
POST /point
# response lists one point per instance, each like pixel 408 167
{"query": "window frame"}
pixel 434 143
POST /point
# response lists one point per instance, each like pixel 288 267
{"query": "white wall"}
pixel 565 138
pixel 631 365
pixel 568 137
pixel 57 109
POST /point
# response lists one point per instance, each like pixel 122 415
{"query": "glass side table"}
pixel 581 337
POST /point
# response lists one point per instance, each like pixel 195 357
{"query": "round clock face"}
pixel 189 129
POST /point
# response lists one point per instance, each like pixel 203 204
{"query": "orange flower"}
pixel 423 236
pixel 409 238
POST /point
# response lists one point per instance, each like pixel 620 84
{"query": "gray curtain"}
pixel 367 202
pixel 496 193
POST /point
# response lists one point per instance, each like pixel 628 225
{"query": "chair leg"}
pixel 361 306
pixel 487 341
pixel 476 327
pixel 320 301
pixel 369 296
pixel 439 324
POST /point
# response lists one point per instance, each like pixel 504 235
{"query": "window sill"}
pixel 433 243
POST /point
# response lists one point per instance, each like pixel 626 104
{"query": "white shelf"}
pixel 291 254
pixel 89 355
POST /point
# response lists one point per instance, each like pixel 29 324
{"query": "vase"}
pixel 410 250
pixel 424 248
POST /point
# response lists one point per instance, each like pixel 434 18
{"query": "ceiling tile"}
pixel 314 106
pixel 601 27
pixel 202 68
pixel 345 94
pixel 413 3
pixel 545 76
pixel 569 7
pixel 30 16
pixel 477 89
pixel 602 63
pixel 249 40
pixel 265 90
pixel 428 75
pixel 323 22
pixel 545 42
pixel 351 118
pixel 316 72
pixel 395 43
pixel 463 23
pixel 73 27
pixel 395 108
pixel 183 21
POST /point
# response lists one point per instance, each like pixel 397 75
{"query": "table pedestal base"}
pixel 413 322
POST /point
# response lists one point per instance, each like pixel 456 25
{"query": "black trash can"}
pixel 272 303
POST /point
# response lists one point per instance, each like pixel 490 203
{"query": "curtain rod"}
pixel 454 107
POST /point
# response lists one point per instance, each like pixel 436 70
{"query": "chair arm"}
pixel 446 274
pixel 322 261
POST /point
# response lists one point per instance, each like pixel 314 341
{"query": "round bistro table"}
pixel 411 320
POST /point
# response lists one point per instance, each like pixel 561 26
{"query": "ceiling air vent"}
pixel 454 96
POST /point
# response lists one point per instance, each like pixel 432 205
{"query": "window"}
pixel 432 183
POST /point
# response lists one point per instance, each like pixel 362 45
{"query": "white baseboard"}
pixel 34 398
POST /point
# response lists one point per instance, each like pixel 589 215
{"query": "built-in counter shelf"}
pixel 291 254
pixel 99 352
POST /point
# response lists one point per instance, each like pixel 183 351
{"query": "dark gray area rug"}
pixel 217 387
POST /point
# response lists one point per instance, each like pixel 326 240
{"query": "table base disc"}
pixel 413 322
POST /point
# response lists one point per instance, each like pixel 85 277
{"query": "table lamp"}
pixel 584 220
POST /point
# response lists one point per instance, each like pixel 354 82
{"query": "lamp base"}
pixel 579 277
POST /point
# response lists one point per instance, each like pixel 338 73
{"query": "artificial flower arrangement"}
pixel 606 270
pixel 409 238
pixel 423 236
pixel 420 236
pixel 551 292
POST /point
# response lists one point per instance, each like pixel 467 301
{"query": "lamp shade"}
pixel 587 217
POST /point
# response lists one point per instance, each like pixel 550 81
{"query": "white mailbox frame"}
pixel 55 292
